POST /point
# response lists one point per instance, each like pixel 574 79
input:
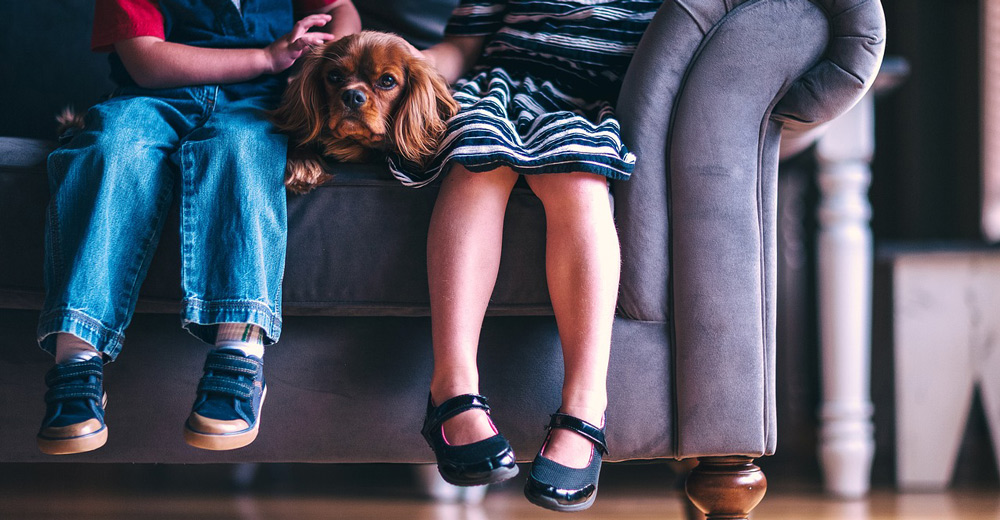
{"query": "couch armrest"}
pixel 697 220
pixel 846 71
pixel 22 153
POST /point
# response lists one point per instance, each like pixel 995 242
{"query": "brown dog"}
pixel 363 93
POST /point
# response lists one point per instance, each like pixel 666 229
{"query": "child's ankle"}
pixel 245 337
pixel 592 414
pixel 442 393
pixel 73 349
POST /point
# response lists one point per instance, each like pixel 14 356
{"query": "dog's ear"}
pixel 300 113
pixel 420 118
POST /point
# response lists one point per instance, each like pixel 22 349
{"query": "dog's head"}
pixel 367 92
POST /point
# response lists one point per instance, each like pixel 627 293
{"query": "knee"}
pixel 111 154
pixel 248 139
pixel 245 134
pixel 253 150
pixel 120 132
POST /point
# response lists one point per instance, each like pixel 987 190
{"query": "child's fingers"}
pixel 319 37
pixel 302 26
pixel 313 20
pixel 310 40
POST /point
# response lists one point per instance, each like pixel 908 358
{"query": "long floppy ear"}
pixel 420 118
pixel 300 114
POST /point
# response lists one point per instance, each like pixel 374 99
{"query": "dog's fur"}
pixel 403 106
pixel 68 118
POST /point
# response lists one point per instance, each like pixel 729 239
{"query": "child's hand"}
pixel 285 50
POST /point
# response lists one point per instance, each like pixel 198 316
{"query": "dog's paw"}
pixel 302 174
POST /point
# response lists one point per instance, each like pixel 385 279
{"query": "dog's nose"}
pixel 354 98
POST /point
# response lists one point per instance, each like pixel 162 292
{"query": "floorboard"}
pixel 385 492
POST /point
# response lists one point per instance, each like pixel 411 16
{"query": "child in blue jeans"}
pixel 187 122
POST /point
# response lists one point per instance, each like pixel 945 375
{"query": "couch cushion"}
pixel 359 243
pixel 357 246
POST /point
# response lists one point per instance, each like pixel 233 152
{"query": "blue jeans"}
pixel 211 148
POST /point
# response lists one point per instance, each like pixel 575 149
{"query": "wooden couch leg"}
pixel 726 488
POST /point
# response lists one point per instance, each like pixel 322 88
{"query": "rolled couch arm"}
pixel 703 106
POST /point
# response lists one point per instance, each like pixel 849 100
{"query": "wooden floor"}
pixel 29 492
pixel 504 506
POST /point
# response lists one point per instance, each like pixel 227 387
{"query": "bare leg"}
pixel 582 267
pixel 463 258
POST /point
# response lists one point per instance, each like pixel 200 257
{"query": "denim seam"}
pixel 187 233
pixel 207 97
pixel 55 247
pixel 276 297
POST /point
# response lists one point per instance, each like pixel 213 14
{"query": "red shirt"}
pixel 117 20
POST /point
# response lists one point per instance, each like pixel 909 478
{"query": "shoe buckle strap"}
pixel 60 374
pixel 230 362
pixel 226 386
pixel 248 369
pixel 455 406
pixel 584 428
pixel 73 391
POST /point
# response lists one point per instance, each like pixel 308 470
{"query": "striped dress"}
pixel 539 99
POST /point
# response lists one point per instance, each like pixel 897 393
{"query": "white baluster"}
pixel 846 444
pixel 991 119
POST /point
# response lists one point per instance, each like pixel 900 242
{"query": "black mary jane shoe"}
pixel 484 462
pixel 561 488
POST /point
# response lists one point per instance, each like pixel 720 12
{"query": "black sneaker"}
pixel 226 413
pixel 74 408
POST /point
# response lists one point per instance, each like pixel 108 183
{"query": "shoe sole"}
pixel 496 476
pixel 71 445
pixel 225 441
pixel 84 443
pixel 555 505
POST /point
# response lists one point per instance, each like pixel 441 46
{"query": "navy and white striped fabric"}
pixel 539 99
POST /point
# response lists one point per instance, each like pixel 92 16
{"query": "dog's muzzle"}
pixel 353 98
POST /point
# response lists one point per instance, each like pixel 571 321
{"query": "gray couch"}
pixel 713 87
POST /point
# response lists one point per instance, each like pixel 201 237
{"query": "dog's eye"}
pixel 334 77
pixel 386 82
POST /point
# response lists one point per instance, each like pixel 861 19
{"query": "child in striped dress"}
pixel 536 81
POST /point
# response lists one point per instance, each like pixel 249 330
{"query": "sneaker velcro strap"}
pixel 73 391
pixel 455 406
pixel 591 432
pixel 222 362
pixel 227 386
pixel 62 373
